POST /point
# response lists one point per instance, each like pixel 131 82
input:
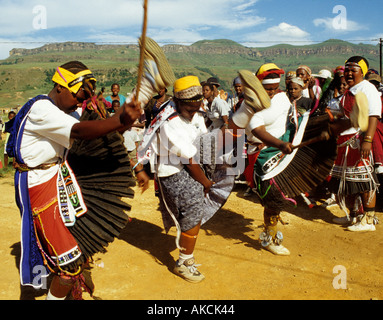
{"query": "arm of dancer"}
pixel 313 95
pixel 243 117
pixel 197 174
pixel 369 136
pixel 269 140
pixel 142 180
pixel 122 120
pixel 141 175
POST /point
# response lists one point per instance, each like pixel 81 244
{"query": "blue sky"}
pixel 254 23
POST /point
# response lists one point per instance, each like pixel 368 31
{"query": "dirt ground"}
pixel 138 265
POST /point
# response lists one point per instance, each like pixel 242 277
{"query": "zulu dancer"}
pixel 48 195
pixel 189 194
pixel 172 157
pixel 353 174
pixel 281 172
pixel 264 128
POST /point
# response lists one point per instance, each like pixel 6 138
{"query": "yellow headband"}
pixel 362 64
pixel 364 67
pixel 73 82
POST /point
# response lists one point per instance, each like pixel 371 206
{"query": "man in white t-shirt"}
pixel 217 109
pixel 131 142
pixel 42 131
pixel 47 193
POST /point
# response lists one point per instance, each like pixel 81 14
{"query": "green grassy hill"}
pixel 27 73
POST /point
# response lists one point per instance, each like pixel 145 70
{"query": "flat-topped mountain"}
pixel 28 72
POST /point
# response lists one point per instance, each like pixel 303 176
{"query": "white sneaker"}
pixel 188 271
pixel 277 249
pixel 360 226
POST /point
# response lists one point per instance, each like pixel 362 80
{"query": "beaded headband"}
pixel 73 82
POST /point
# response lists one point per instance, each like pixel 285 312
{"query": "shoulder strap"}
pixel 167 112
pixel 347 102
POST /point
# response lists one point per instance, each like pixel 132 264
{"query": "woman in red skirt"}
pixel 353 173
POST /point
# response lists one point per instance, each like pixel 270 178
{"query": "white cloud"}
pixel 18 16
pixel 184 14
pixel 287 30
pixel 243 7
pixel 282 33
pixel 120 21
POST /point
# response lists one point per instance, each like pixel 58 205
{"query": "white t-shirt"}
pixel 45 138
pixel 373 97
pixel 217 110
pixel 273 118
pixel 176 144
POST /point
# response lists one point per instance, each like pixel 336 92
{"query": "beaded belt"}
pixel 24 168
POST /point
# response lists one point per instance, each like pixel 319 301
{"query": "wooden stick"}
pixel 324 136
pixel 142 51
